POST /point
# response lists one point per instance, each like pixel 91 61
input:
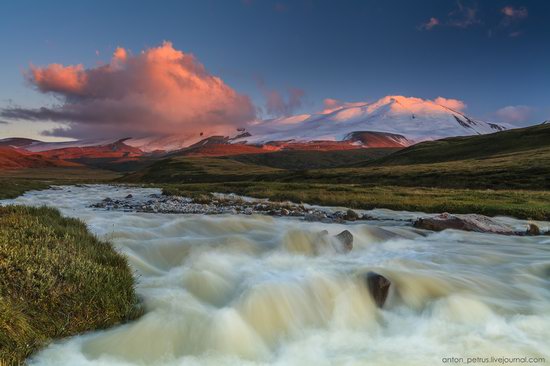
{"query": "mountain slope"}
pixel 116 149
pixel 413 118
pixel 471 147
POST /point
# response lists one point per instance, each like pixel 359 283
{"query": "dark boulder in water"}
pixel 346 239
pixel 129 196
pixel 351 215
pixel 379 287
pixel 533 230
pixel 473 222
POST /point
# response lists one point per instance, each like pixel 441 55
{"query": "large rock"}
pixel 473 222
pixel 533 230
pixel 346 240
pixel 379 287
pixel 351 215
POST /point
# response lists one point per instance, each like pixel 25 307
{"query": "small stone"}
pixel 129 196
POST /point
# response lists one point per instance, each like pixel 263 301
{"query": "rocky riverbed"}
pixel 227 204
pixel 218 204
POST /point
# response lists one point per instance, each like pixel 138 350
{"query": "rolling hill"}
pixel 505 143
pixel 13 159
pixel 515 159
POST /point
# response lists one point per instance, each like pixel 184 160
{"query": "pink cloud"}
pixel 331 104
pixel 453 104
pixel 464 16
pixel 433 22
pixel 515 13
pixel 156 92
pixel 515 114
pixel 57 78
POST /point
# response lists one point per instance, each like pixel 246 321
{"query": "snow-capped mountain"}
pixel 414 119
pixel 392 121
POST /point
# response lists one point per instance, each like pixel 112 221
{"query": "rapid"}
pixel 260 290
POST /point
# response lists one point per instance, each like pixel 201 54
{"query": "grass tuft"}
pixel 56 280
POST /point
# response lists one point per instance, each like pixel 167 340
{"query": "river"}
pixel 257 290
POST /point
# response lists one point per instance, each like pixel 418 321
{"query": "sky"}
pixel 77 69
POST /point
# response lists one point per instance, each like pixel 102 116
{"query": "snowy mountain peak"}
pixel 415 118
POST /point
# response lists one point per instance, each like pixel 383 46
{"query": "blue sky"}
pixel 493 55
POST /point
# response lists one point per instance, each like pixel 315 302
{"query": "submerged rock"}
pixel 533 230
pixel 351 215
pixel 472 222
pixel 346 239
pixel 379 287
pixel 129 196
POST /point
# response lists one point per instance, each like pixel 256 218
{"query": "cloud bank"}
pixel 515 114
pixel 160 91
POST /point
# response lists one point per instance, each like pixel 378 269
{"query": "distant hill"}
pixel 14 159
pixel 508 142
pixel 303 160
pixel 514 159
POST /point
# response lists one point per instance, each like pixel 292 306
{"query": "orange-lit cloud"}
pixel 462 16
pixel 58 78
pixel 158 91
pixel 331 104
pixel 453 104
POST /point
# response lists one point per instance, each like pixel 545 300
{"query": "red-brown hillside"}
pixel 15 159
pixel 116 149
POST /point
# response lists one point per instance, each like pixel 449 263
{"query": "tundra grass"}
pixel 517 203
pixel 56 280
pixel 14 183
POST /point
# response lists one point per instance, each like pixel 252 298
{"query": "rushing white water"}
pixel 238 290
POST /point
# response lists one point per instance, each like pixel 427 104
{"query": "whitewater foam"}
pixel 239 290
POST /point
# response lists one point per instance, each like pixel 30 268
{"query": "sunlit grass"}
pixel 56 280
pixel 517 203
